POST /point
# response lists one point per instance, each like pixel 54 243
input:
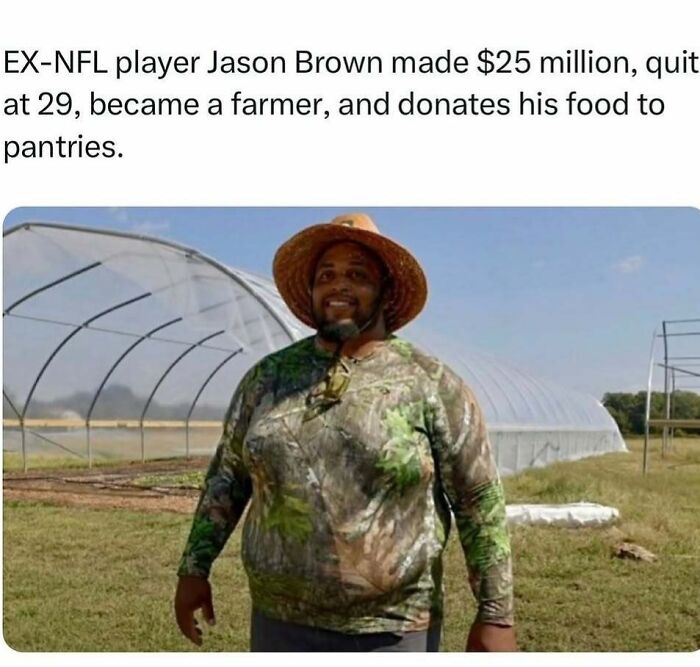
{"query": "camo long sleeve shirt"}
pixel 350 469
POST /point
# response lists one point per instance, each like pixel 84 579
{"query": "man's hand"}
pixel 489 637
pixel 193 593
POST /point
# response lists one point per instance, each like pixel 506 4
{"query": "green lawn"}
pixel 98 580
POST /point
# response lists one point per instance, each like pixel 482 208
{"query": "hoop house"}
pixel 125 346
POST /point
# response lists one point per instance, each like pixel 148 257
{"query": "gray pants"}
pixel 267 634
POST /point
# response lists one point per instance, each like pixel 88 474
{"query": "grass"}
pixel 94 580
pixel 581 598
pixel 99 580
pixel 182 480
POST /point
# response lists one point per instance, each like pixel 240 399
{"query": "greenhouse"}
pixel 121 346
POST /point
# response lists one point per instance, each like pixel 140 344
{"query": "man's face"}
pixel 345 288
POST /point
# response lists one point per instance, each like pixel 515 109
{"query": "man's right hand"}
pixel 193 593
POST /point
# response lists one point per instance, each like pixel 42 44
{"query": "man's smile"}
pixel 339 302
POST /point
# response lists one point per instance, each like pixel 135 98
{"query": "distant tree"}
pixel 120 402
pixel 629 410
pixel 686 405
pixel 620 406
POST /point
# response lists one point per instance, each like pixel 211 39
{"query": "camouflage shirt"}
pixel 351 468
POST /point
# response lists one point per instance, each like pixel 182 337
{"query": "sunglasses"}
pixel 330 392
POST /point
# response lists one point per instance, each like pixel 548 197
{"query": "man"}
pixel 352 447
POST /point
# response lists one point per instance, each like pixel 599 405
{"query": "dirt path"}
pixel 107 487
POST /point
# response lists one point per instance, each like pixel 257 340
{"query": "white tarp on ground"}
pixel 571 515
pixel 120 326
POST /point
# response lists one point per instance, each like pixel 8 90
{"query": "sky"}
pixel 571 294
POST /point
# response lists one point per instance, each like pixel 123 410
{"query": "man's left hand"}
pixel 489 637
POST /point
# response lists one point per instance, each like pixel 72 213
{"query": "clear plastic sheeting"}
pixel 120 346
pixel 532 422
pixel 571 515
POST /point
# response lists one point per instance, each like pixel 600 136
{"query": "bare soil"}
pixel 107 487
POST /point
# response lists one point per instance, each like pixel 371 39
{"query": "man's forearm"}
pixel 220 507
pixel 205 542
pixel 484 535
pixel 495 595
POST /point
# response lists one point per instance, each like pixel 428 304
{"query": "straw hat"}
pixel 295 262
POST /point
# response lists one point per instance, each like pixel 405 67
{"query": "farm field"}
pixel 82 574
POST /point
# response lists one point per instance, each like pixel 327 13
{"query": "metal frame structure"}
pixel 677 369
pixel 190 346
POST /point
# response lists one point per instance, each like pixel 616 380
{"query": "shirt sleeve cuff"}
pixel 188 568
pixel 484 616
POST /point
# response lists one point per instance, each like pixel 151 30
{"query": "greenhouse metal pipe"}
pixel 24 446
pixel 199 393
pixel 60 346
pixel 116 332
pixel 57 444
pixel 109 374
pixel 680 370
pixel 667 396
pixel 50 285
pixel 11 404
pixel 647 409
pixel 21 427
pixel 673 393
pixel 191 252
pixel 162 378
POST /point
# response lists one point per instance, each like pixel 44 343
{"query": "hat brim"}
pixel 296 260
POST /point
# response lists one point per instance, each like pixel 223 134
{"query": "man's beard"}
pixel 338 332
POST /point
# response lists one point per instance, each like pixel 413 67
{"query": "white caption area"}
pixel 395 159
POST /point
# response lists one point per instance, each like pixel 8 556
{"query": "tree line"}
pixel 116 402
pixel 628 409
